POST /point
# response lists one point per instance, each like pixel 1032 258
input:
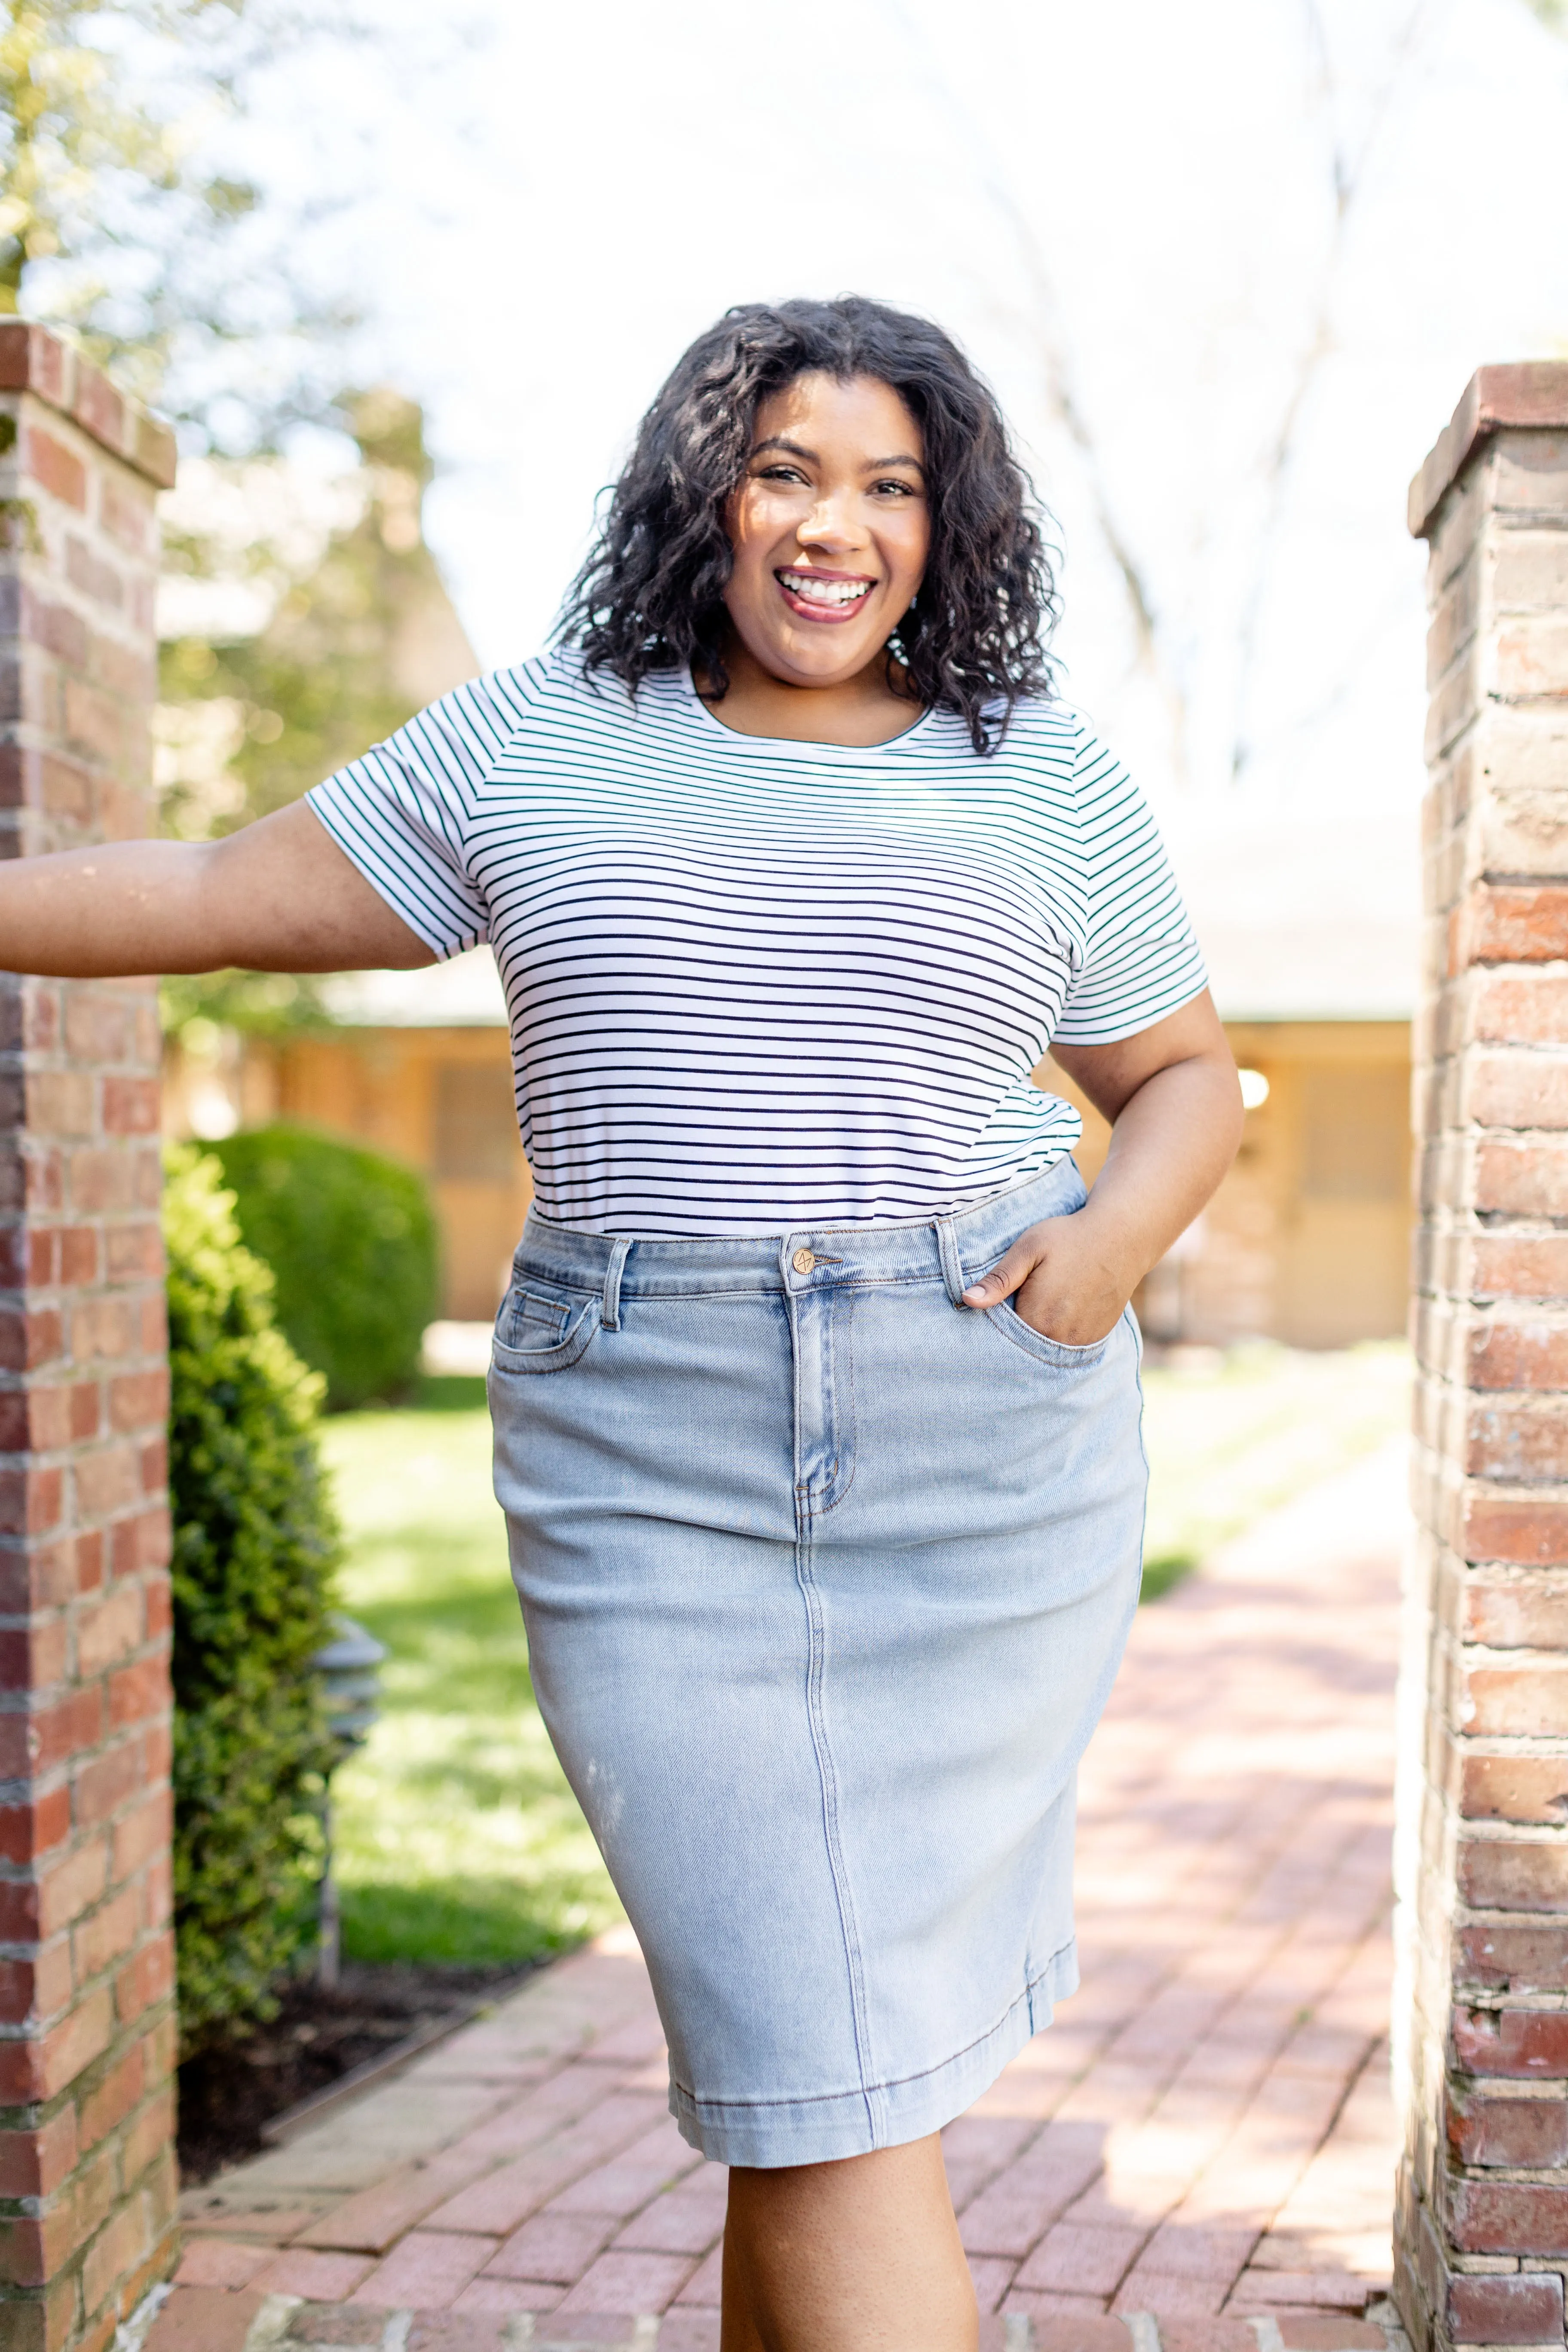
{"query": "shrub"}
pixel 255 1550
pixel 351 1238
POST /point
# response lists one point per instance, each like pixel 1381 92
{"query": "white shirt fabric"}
pixel 756 985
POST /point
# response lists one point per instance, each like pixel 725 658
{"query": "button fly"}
pixel 804 1260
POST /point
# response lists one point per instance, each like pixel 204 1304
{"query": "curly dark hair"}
pixel 649 596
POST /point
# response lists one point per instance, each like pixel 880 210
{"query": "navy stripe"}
pixel 754 985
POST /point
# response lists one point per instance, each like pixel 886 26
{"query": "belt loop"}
pixel 610 1315
pixel 951 1264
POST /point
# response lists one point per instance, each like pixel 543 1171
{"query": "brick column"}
pixel 1482 2012
pixel 86 2176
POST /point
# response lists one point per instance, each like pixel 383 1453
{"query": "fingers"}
pixel 1002 1280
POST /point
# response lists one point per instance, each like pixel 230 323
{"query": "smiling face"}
pixel 830 529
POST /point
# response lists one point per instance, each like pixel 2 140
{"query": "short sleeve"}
pixel 404 813
pixel 1141 960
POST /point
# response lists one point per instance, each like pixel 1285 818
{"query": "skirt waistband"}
pixel 952 1249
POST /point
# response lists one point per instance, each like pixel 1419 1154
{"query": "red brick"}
pixel 37 2163
pixel 138 1692
pixel 426 2271
pixel 106 1934
pixel 66 789
pixel 86 570
pixel 137 1400
pixel 147 2145
pixel 214 2262
pixel 626 2283
pixel 41 2068
pixel 1511 2041
pixel 103 1783
pixel 134 1253
pixel 36 1826
pixel 121 2244
pixel 102 1327
pixel 34 1658
pixel 1517 1700
pixel 31 1501
pixel 1513 2217
pixel 553 2246
pixel 60 471
pixel 89 1560
pixel 1511 1354
pixel 126 514
pixel 141 1834
pixel 1522 1531
pixel 50 1734
pixel 131 1105
pixel 108 1630
pixel 75 1883
pixel 149 1977
pixel 1501 924
pixel 98 1181
pixel 1532 1959
pixel 1495 1876
pixel 1513 1788
pixel 37 1987
pixel 1529 2134
pixel 204 2319
pixel 299 2270
pixel 143 1541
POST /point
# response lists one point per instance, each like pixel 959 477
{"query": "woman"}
pixel 816 1389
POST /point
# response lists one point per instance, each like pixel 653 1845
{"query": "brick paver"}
pixel 1197 2156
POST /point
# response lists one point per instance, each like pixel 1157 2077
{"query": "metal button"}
pixel 804 1260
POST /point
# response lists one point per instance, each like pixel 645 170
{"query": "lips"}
pixel 824 596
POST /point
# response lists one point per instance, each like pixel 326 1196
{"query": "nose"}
pixel 829 525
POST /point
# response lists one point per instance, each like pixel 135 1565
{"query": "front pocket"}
pixel 1012 1325
pixel 561 1337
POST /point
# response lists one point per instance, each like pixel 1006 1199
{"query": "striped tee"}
pixel 755 984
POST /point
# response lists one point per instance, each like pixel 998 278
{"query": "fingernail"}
pixel 975 1298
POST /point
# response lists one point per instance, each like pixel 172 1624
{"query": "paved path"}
pixel 1197 2158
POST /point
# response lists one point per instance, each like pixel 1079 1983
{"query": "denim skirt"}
pixel 827 1577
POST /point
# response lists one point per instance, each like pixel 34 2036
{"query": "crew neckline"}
pixel 808 746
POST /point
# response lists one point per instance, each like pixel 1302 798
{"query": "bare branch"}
pixel 1063 401
pixel 1349 172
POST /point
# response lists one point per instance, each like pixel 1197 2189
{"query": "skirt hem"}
pixel 769 2133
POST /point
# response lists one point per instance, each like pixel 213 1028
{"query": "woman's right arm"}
pixel 279 896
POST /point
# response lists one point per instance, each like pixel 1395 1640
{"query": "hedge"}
pixel 256 1548
pixel 351 1240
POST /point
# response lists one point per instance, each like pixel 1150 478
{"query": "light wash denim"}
pixel 826 1579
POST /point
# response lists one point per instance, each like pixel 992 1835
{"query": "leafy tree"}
pixel 117 222
pixel 361 635
pixel 355 643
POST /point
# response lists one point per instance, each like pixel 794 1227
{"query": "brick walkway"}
pixel 1197 2158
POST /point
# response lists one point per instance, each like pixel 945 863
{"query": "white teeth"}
pixel 825 592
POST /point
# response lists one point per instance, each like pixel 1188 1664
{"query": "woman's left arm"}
pixel 1174 1105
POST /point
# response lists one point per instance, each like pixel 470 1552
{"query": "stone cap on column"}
pixel 33 360
pixel 1524 393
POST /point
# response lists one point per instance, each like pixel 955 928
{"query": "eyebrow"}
pixel 796 450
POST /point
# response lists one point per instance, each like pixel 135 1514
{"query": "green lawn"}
pixel 456 1836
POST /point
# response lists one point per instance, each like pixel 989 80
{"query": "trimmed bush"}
pixel 254 1551
pixel 352 1240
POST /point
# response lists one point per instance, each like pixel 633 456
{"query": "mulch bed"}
pixel 228 2096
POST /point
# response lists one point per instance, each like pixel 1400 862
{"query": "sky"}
pixel 1261 245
